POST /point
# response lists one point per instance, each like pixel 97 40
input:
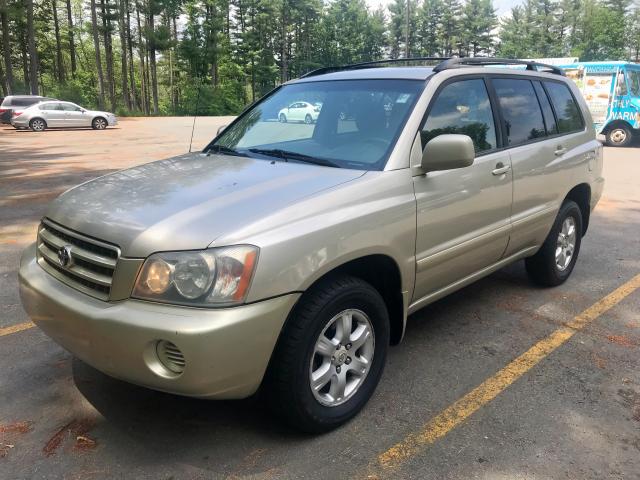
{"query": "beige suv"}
pixel 286 256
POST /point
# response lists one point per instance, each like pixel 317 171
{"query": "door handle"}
pixel 500 169
pixel 560 151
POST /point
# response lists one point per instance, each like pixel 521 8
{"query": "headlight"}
pixel 217 276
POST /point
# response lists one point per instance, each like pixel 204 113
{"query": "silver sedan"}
pixel 44 115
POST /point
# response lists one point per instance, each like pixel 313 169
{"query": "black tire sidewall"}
pixel 320 417
pixel 307 119
pixel 572 209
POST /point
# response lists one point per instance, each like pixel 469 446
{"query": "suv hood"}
pixel 188 201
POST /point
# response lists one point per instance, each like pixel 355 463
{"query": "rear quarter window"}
pixel 25 102
pixel 567 110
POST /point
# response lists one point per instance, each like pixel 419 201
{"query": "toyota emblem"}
pixel 64 256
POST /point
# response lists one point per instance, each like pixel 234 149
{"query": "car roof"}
pixel 397 73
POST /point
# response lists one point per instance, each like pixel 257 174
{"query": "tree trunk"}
pixel 96 45
pixel 123 55
pixel 3 82
pixel 283 52
pixel 144 96
pixel 33 54
pixel 152 56
pixel 6 50
pixel 108 53
pixel 25 59
pixel 132 79
pixel 177 73
pixel 72 45
pixel 56 29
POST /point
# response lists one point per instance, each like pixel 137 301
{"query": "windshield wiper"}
pixel 286 155
pixel 225 150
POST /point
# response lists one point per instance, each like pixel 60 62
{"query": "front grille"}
pixel 91 264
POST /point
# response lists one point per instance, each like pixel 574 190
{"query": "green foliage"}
pixel 234 51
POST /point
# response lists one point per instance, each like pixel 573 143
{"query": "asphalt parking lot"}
pixel 501 380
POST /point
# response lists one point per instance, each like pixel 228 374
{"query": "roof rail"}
pixel 471 61
pixel 372 64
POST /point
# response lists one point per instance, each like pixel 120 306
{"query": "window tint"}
pixel 520 110
pixel 69 107
pixel 567 112
pixel 462 107
pixel 25 102
pixel 50 106
pixel 547 112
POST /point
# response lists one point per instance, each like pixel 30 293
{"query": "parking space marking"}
pixel 463 408
pixel 16 328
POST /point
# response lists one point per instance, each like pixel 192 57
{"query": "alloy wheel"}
pixel 342 357
pixel 566 243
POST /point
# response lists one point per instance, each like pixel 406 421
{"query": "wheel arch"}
pixel 581 194
pixel 616 123
pixel 383 273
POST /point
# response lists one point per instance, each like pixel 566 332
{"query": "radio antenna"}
pixel 193 126
pixel 206 56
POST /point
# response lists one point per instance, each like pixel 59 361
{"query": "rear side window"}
pixel 462 107
pixel 50 106
pixel 520 110
pixel 25 102
pixel 547 111
pixel 567 111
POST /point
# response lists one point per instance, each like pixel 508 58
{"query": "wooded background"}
pixel 152 56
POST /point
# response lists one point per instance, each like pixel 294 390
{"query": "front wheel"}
pixel 282 118
pixel 99 123
pixel 555 260
pixel 619 136
pixel 331 355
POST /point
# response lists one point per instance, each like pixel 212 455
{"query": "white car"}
pixel 299 112
pixel 51 114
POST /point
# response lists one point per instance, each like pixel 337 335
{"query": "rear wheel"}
pixel 38 125
pixel 555 260
pixel 99 123
pixel 308 119
pixel 330 357
pixel 619 136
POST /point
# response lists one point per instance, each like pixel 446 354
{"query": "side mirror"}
pixel 448 151
pixel 221 129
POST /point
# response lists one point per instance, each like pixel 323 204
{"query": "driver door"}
pixel 463 217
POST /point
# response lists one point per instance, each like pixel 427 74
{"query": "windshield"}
pixel 348 124
pixel 633 77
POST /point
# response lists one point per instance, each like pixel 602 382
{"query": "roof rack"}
pixel 471 61
pixel 373 64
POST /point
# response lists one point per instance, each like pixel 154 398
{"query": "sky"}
pixel 503 7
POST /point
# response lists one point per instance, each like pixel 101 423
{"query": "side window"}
pixel 462 107
pixel 547 111
pixel 567 111
pixel 70 107
pixel 520 110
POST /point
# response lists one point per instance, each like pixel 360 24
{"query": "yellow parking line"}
pixel 16 328
pixel 462 409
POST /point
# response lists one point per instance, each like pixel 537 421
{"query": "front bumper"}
pixel 226 351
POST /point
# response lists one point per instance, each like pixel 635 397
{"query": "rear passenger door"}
pixel 53 114
pixel 463 214
pixel 540 148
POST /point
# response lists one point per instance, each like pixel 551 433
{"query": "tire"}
pixel 307 119
pixel 38 125
pixel 320 313
pixel 282 118
pixel 99 123
pixel 619 136
pixel 552 265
